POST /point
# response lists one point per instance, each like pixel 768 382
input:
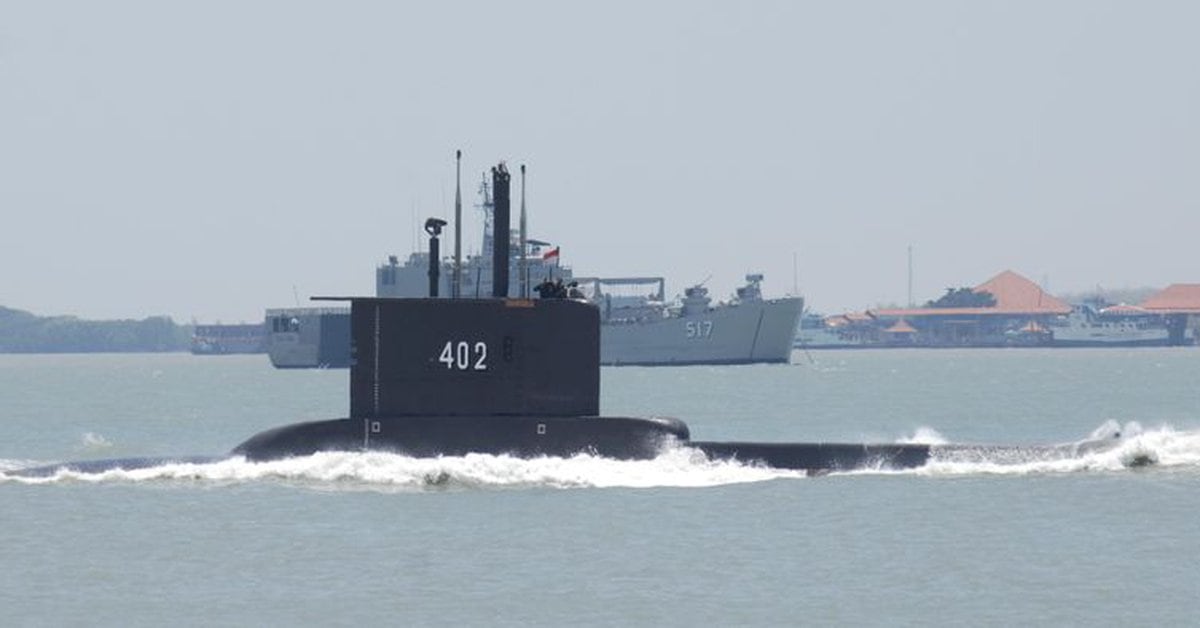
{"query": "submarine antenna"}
pixel 456 284
pixel 524 268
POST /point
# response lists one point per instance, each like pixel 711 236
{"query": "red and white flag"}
pixel 551 254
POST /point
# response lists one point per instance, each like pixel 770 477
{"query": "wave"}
pixel 91 441
pixel 924 435
pixel 1111 447
pixel 678 467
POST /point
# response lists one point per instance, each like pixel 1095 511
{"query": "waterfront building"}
pixel 1019 315
pixel 1180 304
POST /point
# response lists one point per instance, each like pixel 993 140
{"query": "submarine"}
pixel 521 377
pixel 508 376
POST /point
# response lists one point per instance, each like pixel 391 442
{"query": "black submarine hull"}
pixel 819 456
pixel 617 438
pixel 621 438
pixel 624 438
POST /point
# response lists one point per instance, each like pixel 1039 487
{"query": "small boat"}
pixel 1088 325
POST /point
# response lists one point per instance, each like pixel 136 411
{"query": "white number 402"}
pixel 463 356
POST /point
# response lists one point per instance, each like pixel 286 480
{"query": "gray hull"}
pixel 308 338
pixel 758 331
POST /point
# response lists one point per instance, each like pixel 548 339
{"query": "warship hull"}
pixel 746 333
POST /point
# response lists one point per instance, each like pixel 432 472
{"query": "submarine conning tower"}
pixel 451 377
pixel 461 357
pixel 500 375
pixel 433 377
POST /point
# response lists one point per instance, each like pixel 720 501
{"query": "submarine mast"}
pixel 523 269
pixel 500 230
pixel 433 227
pixel 456 282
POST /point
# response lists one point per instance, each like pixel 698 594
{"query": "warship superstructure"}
pixel 642 328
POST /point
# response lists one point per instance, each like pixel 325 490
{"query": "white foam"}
pixel 94 442
pixel 1111 447
pixel 13 465
pixel 924 436
pixel 678 467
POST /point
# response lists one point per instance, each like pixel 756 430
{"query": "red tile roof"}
pixel 1014 295
pixel 1177 298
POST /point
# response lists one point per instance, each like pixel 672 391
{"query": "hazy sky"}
pixel 205 159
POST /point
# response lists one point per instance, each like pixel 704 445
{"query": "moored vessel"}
pixel 646 330
pixel 1114 326
pixel 218 339
pixel 639 329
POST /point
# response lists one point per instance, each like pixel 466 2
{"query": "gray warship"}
pixel 639 326
pixel 645 329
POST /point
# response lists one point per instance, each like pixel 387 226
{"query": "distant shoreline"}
pixel 27 333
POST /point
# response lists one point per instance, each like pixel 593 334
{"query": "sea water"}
pixel 371 538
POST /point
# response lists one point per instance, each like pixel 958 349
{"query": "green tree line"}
pixel 23 332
